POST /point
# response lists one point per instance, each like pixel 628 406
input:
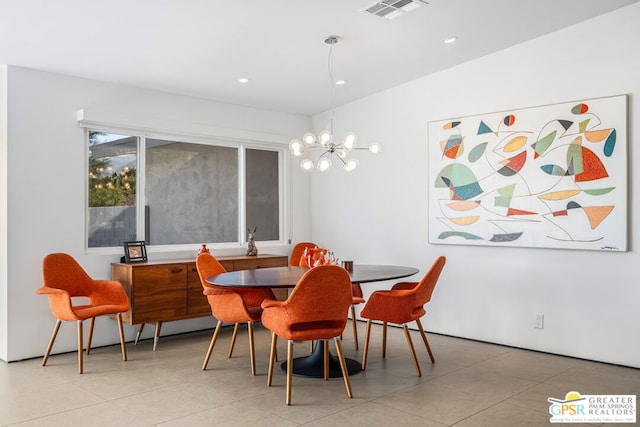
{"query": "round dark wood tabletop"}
pixel 287 277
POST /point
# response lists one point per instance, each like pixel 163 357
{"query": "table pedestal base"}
pixel 313 365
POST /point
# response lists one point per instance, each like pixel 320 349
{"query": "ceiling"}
pixel 201 47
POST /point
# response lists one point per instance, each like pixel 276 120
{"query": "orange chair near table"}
pixel 298 250
pixel 232 305
pixel 297 258
pixel 402 304
pixel 316 309
pixel 64 279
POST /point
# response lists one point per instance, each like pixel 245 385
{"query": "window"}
pixel 262 180
pixel 187 192
pixel 191 193
pixel 112 189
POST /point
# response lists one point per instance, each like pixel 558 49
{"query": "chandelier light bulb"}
pixel 307 164
pixel 374 148
pixel 324 137
pixel 341 153
pixel 324 164
pixel 295 145
pixel 309 138
pixel 351 165
pixel 349 141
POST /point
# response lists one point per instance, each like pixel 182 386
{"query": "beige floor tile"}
pixel 505 415
pixel 237 414
pixel 374 414
pixel 99 415
pixel 44 402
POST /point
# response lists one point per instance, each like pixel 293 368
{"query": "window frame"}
pixel 240 143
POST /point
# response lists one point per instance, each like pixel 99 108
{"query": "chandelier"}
pixel 323 146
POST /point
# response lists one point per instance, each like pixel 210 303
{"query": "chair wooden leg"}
pixel 272 356
pixel 233 339
pixel 412 349
pixel 53 338
pixel 355 326
pixel 251 349
pixel 384 339
pixel 325 359
pixel 211 345
pixel 424 338
pixel 289 369
pixel 140 328
pixel 91 323
pixel 80 347
pixel 343 365
pixel 366 345
pixel 121 332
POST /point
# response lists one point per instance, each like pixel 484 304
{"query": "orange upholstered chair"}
pixel 63 279
pixel 297 259
pixel 402 304
pixel 316 310
pixel 298 250
pixel 232 305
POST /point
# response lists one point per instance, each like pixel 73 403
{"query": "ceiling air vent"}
pixel 391 9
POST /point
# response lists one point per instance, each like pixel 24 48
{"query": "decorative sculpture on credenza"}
pixel 252 250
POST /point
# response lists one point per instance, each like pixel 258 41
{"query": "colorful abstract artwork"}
pixel 553 176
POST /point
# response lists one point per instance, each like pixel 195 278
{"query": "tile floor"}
pixel 471 384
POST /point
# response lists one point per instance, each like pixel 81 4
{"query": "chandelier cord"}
pixel 333 87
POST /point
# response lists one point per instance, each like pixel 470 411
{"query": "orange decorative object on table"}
pixel 313 257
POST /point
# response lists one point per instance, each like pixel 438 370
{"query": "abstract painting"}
pixel 552 176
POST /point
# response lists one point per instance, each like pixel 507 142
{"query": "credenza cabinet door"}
pixel 159 293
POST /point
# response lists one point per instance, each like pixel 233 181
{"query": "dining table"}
pixel 288 277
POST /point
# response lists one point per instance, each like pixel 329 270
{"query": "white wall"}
pixel 3 208
pixel 46 189
pixel 590 300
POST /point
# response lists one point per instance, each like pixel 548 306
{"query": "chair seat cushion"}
pixel 317 330
pixel 84 312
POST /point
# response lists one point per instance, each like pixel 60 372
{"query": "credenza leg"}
pixel 156 336
pixel 140 328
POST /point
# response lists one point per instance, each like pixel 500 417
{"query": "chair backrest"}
pixel 322 294
pixel 207 266
pixel 297 251
pixel 62 271
pixel 424 289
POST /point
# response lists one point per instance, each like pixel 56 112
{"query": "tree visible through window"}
pixel 111 189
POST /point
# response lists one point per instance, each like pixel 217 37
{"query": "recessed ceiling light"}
pixel 450 40
pixel 341 82
pixel 243 80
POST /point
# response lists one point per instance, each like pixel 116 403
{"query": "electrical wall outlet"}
pixel 538 321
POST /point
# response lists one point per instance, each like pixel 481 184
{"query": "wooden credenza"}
pixel 163 291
